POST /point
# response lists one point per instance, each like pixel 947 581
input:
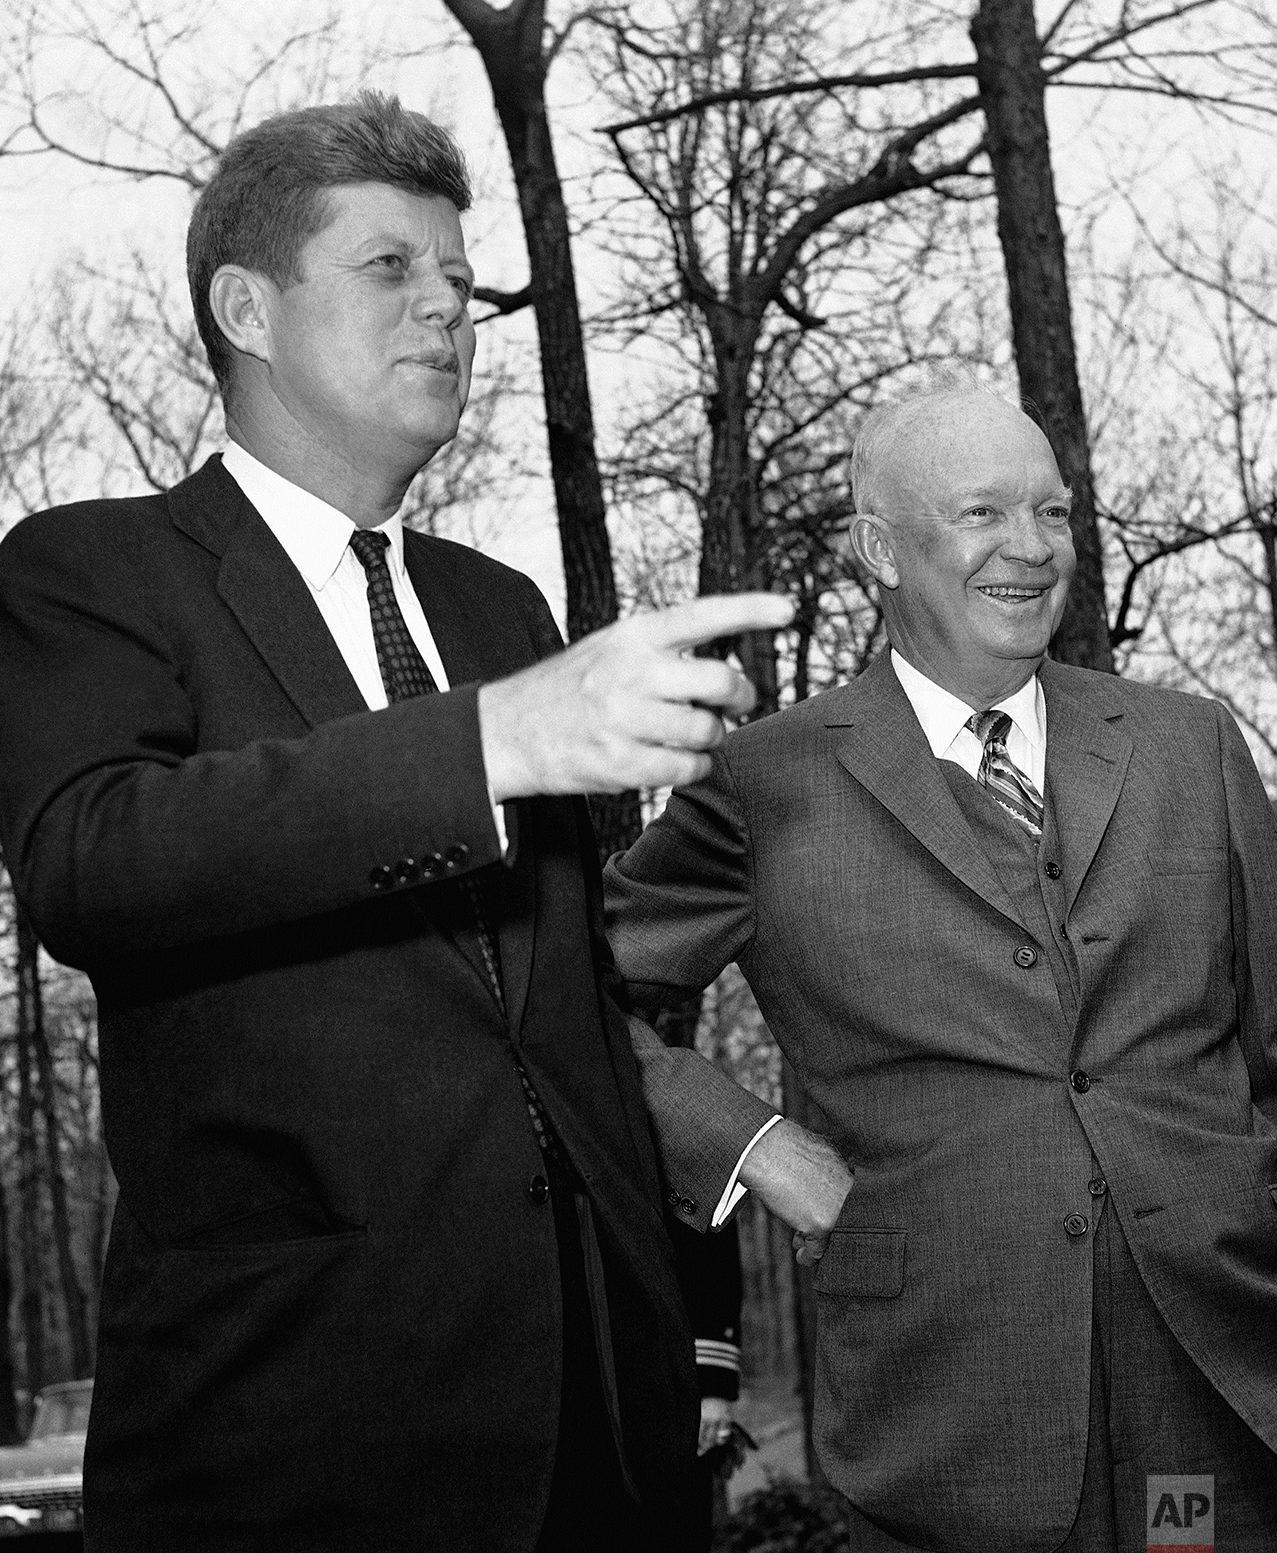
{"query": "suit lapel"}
pixel 886 751
pixel 476 644
pixel 267 595
pixel 1087 755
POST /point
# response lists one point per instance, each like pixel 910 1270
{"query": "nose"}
pixel 1026 540
pixel 437 300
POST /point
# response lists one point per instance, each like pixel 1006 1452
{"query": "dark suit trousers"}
pixel 1153 1413
pixel 589 1507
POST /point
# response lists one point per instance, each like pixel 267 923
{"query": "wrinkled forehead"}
pixel 927 453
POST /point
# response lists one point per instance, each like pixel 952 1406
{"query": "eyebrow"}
pixel 379 242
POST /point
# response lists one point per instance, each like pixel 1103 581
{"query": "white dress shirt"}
pixel 316 539
pixel 943 718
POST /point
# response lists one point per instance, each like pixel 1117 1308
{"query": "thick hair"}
pixel 267 198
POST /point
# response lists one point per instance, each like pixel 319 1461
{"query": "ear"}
pixel 872 543
pixel 240 301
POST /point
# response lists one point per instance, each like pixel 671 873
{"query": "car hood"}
pixel 57 1457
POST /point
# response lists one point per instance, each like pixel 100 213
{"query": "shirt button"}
pixel 1097 1187
pixel 1025 956
pixel 406 871
pixel 381 878
pixel 539 1190
pixel 1053 870
pixel 1076 1225
pixel 1080 1080
pixel 456 856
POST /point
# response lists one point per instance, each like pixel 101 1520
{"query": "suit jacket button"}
pixel 1080 1080
pixel 1097 1187
pixel 456 856
pixel 672 1198
pixel 381 878
pixel 1025 956
pixel 1076 1225
pixel 432 865
pixel 406 871
pixel 539 1190
pixel 687 1206
pixel 1052 870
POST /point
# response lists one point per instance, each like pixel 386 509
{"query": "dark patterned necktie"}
pixel 405 673
pixel 1011 788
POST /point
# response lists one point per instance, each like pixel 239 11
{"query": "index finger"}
pixel 720 614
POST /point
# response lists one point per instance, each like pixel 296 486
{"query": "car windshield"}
pixel 61 1412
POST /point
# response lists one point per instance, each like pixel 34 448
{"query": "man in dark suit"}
pixel 388 1268
pixel 1015 926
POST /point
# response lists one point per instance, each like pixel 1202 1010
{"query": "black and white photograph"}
pixel 638 776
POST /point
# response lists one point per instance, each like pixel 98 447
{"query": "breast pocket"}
pixel 1167 862
pixel 863 1263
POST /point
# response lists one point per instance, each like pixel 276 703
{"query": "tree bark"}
pixel 30 1238
pixel 10 1433
pixel 733 543
pixel 1013 89
pixel 77 1312
pixel 511 43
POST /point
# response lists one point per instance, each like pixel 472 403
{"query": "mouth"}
pixel 1009 593
pixel 448 364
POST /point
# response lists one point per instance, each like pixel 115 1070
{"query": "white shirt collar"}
pixel 943 716
pixel 315 535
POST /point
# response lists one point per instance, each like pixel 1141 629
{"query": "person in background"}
pixel 709 1278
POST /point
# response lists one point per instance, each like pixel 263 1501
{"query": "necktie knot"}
pixel 991 726
pixel 370 545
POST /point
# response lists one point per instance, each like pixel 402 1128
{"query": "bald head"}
pixel 963 521
pixel 893 440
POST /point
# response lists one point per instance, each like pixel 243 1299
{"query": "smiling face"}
pixel 367 356
pixel 970 543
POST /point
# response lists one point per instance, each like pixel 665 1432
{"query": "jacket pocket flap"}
pixel 1169 861
pixel 868 1262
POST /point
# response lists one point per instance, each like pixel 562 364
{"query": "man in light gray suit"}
pixel 1015 925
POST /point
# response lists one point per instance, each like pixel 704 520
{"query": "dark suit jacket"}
pixel 331 1312
pixel 828 855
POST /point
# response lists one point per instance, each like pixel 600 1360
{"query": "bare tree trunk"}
pixel 511 43
pixel 1268 539
pixel 69 1277
pixel 30 1238
pixel 10 1433
pixel 1013 90
pixel 733 544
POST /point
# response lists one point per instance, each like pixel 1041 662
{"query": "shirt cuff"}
pixel 503 839
pixel 734 1191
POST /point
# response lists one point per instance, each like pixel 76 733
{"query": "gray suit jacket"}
pixel 827 854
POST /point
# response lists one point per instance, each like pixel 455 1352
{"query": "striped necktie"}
pixel 1009 787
